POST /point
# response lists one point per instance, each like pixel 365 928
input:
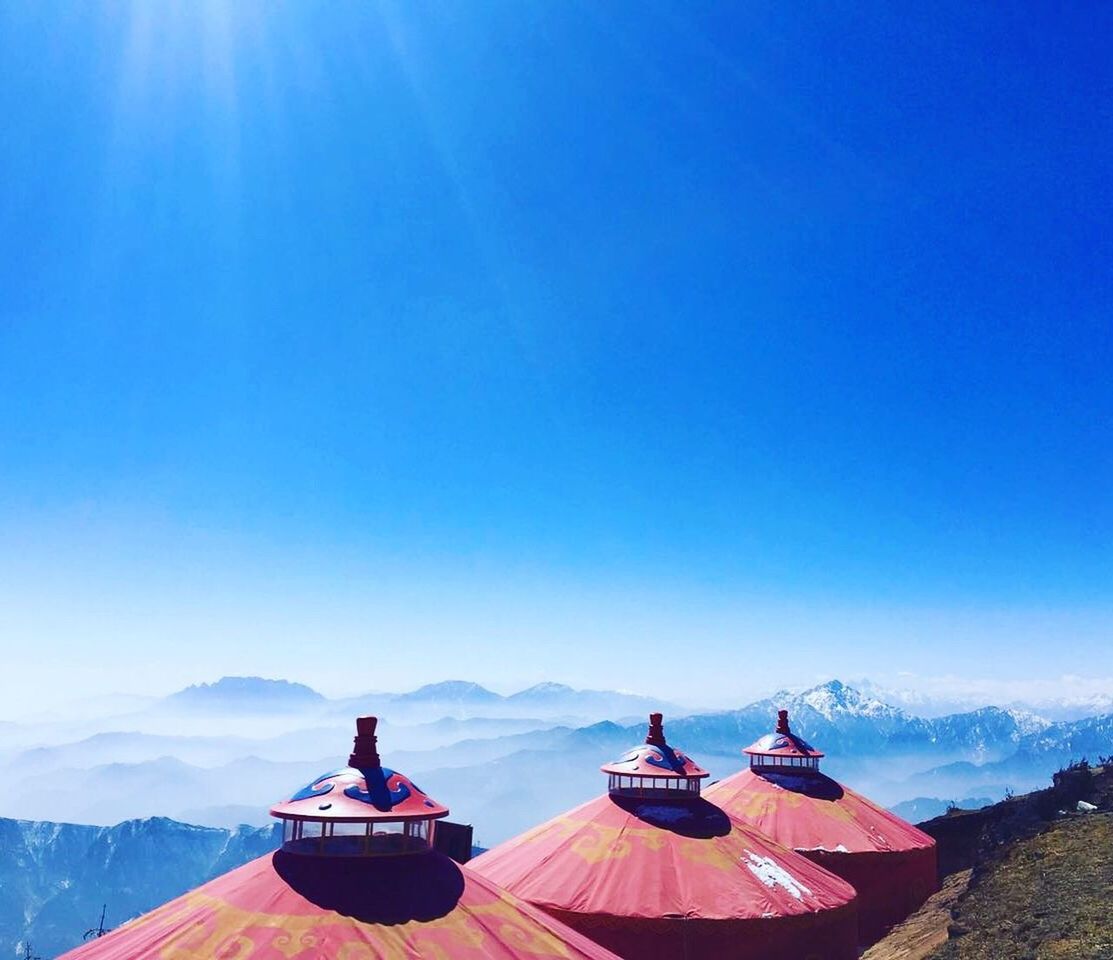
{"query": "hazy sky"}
pixel 694 349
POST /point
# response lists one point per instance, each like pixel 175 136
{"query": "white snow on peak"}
pixel 1028 722
pixel 838 848
pixel 835 698
pixel 772 874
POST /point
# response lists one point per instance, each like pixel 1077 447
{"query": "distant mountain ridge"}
pixel 460 690
pixel 458 698
pixel 56 876
pixel 491 757
pixel 245 693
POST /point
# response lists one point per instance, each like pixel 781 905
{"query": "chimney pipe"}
pixel 656 735
pixel 365 755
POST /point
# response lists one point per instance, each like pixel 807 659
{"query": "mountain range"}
pixel 56 877
pixel 500 762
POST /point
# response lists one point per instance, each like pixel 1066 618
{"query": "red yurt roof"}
pixel 810 811
pixel 890 862
pixel 357 878
pixel 623 857
pixel 664 876
pixel 394 908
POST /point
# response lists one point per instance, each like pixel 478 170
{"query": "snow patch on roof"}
pixel 772 874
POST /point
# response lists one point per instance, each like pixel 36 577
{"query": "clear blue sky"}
pixel 688 348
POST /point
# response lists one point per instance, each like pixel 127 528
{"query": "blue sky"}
pixel 694 349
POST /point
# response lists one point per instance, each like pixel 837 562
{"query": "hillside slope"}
pixel 1046 896
pixel 1030 878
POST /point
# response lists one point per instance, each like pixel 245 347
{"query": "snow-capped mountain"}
pixel 1093 697
pixel 834 700
pixel 494 755
pixel 55 877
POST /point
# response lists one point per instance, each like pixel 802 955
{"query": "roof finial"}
pixel 365 755
pixel 656 735
pixel 782 722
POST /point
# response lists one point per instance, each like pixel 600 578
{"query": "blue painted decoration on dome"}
pixel 378 794
pixel 669 760
pixel 316 788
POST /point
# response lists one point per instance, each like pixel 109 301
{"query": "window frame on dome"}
pixel 780 761
pixel 309 836
pixel 641 786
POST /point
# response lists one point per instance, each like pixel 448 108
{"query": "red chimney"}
pixel 656 735
pixel 365 755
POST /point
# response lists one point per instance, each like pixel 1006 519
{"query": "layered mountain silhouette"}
pixel 502 762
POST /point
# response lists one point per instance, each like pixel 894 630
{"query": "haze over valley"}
pixel 220 754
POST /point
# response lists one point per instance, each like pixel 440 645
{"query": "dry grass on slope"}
pixel 1049 897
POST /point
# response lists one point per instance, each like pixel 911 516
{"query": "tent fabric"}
pixel 890 862
pixel 289 907
pixel 830 935
pixel 676 878
pixel 890 885
pixel 810 811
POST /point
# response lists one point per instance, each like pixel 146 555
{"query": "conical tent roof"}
pixel 653 875
pixel 811 811
pixel 279 908
pixel 890 862
pixel 625 857
pixel 356 879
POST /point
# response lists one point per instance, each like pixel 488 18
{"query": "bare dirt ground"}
pixel 924 931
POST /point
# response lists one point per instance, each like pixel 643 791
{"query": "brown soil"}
pixel 926 929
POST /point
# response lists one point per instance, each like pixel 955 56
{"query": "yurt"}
pixel 356 878
pixel 889 862
pixel 654 871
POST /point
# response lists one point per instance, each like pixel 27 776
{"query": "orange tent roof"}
pixel 654 872
pixel 292 907
pixel 810 811
pixel 345 892
pixel 644 858
pixel 890 863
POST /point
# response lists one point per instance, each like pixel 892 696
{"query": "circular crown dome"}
pixel 660 762
pixel 654 767
pixel 350 795
pixel 364 790
pixel 781 743
pixel 361 810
